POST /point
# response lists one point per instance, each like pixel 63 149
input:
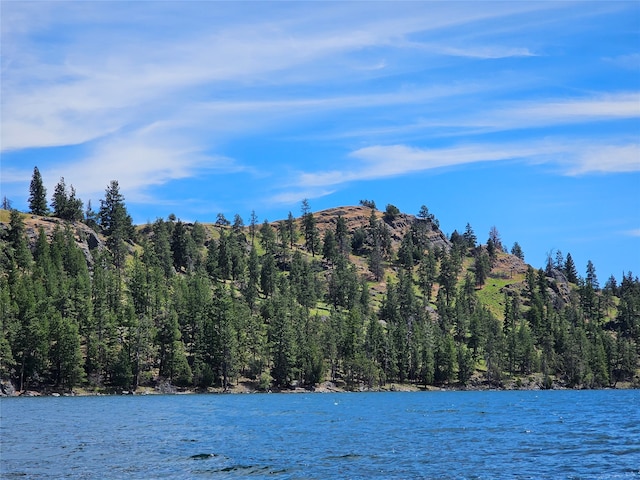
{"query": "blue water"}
pixel 480 435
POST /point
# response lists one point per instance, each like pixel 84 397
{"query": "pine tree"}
pixel 59 199
pixel 329 247
pixel 427 275
pixel 482 267
pixel 570 269
pixel 253 222
pixel 268 238
pixel 65 203
pixel 311 234
pixel 342 235
pixel 37 195
pixel 592 279
pixel 517 251
pixel 469 236
pixel 116 222
pixel 19 250
pixel 291 226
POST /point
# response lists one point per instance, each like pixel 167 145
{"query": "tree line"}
pixel 283 303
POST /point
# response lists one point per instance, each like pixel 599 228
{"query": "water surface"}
pixel 475 435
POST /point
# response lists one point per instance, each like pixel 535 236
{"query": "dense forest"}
pixel 355 295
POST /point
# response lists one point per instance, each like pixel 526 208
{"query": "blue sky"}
pixel 521 115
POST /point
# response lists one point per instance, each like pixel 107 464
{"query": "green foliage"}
pixel 37 194
pixel 65 204
pixel 570 269
pixel 115 222
pixel 517 251
pixel 201 310
pixel 390 213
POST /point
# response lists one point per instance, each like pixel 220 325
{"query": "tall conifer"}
pixel 37 194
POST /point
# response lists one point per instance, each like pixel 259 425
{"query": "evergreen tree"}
pixel 73 211
pixel 311 234
pixel 65 353
pixel 482 267
pixel 162 247
pixel 559 263
pixel 268 238
pixel 18 249
pixel 280 317
pixel 342 235
pixel 253 277
pixel 180 247
pixel 570 269
pixel 592 279
pixel 517 251
pixel 37 194
pixel 115 222
pixel 238 223
pixel 406 251
pixel 91 216
pixel 59 199
pixel 65 204
pixel 268 275
pixel 469 236
pixel 427 275
pixel 291 227
pixel 448 278
pixel 376 266
pixel 329 246
pixel 390 213
pixel 253 222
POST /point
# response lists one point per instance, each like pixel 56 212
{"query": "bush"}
pixel 391 212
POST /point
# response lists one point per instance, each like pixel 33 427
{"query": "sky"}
pixel 520 115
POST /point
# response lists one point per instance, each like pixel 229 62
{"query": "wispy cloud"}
pixel 156 104
pixel 471 51
pixel 570 110
pixel 139 160
pixel 72 95
pixel 384 161
pixel 297 195
pixel 606 159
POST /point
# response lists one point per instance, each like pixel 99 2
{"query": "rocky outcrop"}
pixel 559 289
pixel 7 389
pixel 87 239
pixel 358 217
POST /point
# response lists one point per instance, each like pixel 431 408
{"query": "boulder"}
pixel 7 389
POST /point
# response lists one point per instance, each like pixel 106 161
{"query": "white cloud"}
pixel 383 161
pixel 603 106
pixel 138 160
pixel 91 85
pixel 471 51
pixel 297 195
pixel 150 104
pixel 607 159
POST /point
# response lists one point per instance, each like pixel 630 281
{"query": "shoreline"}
pixel 244 388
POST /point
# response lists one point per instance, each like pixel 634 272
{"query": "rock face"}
pixel 7 389
pixel 358 216
pixel 559 288
pixel 87 239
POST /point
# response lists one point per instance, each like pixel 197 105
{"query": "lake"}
pixel 479 435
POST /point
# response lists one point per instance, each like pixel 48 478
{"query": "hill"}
pixel 357 297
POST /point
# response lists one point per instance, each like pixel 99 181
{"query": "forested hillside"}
pixel 355 295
